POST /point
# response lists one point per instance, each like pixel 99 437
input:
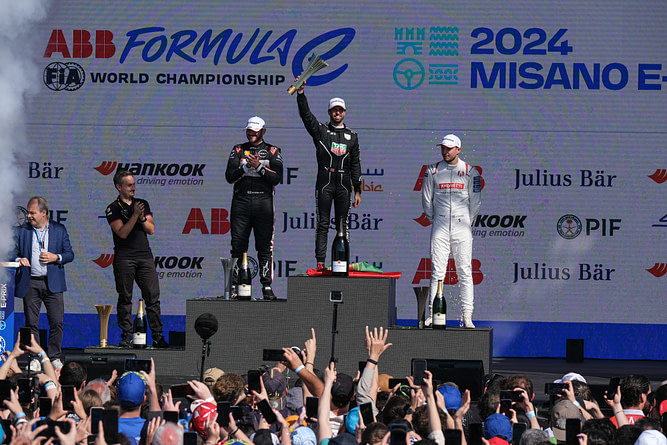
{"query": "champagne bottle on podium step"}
pixel 244 288
pixel 439 315
pixel 140 328
pixel 340 253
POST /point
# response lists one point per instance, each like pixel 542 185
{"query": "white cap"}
pixel 451 140
pixel 337 102
pixel 255 123
pixel 570 376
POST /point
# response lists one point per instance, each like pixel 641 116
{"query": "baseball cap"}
pixel 451 140
pixel 337 102
pixel 303 436
pixel 255 123
pixel 211 375
pixel 343 386
pixel 343 439
pixel 275 383
pixel 498 425
pixel 562 411
pixel 451 395
pixel 569 377
pixel 383 382
pixel 352 419
pixel 131 389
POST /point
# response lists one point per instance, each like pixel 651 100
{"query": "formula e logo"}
pixel 104 260
pixel 659 176
pixel 107 167
pixel 658 270
pixel 338 149
pixel 67 76
pixel 569 226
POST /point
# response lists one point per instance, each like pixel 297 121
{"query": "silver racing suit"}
pixel 451 198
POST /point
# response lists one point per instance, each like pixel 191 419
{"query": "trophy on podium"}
pixel 104 310
pixel 316 64
pixel 422 295
pixel 227 267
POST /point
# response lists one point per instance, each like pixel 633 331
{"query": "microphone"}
pixel 206 325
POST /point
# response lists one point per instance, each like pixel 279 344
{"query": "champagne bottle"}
pixel 439 319
pixel 244 289
pixel 340 254
pixel 140 328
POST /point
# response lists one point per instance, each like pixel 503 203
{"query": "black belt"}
pixel 40 278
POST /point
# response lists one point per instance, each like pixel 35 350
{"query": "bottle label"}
pixel 439 319
pixel 244 290
pixel 139 338
pixel 339 266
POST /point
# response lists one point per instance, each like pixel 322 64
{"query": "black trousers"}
pixel 143 272
pixel 253 212
pixel 324 197
pixel 38 293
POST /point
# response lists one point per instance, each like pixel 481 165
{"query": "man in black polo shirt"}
pixel 131 220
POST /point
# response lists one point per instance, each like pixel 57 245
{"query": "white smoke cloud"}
pixel 19 77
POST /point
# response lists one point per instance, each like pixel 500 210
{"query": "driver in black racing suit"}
pixel 255 168
pixel 338 169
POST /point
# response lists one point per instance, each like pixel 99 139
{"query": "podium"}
pixel 7 305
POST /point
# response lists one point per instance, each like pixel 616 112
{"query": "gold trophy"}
pixel 422 294
pixel 104 310
pixel 316 64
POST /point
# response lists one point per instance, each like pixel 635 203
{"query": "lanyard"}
pixel 41 240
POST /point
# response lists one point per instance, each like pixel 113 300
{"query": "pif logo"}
pixel 82 48
pixel 67 76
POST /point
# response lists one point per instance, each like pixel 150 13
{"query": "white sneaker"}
pixel 428 322
pixel 35 366
pixel 467 321
pixel 57 364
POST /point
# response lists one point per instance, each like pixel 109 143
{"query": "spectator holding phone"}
pixel 634 397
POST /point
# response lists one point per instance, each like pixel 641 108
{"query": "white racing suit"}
pixel 451 197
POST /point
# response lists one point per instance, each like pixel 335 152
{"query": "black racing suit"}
pixel 338 169
pixel 252 204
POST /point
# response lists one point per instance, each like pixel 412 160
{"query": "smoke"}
pixel 19 77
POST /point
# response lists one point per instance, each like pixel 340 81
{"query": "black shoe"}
pixel 125 342
pixel 268 294
pixel 161 343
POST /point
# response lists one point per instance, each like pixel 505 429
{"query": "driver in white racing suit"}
pixel 451 197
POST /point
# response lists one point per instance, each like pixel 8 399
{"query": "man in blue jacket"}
pixel 42 250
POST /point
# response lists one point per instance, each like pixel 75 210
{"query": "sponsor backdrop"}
pixel 560 105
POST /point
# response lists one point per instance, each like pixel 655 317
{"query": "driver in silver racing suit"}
pixel 451 198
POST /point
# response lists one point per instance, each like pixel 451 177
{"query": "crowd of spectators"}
pixel 323 407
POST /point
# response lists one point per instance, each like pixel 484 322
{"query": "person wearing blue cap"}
pixel 131 395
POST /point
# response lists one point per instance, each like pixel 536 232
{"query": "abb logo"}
pixel 424 272
pixel 659 176
pixel 658 270
pixel 219 222
pixel 104 260
pixel 80 45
